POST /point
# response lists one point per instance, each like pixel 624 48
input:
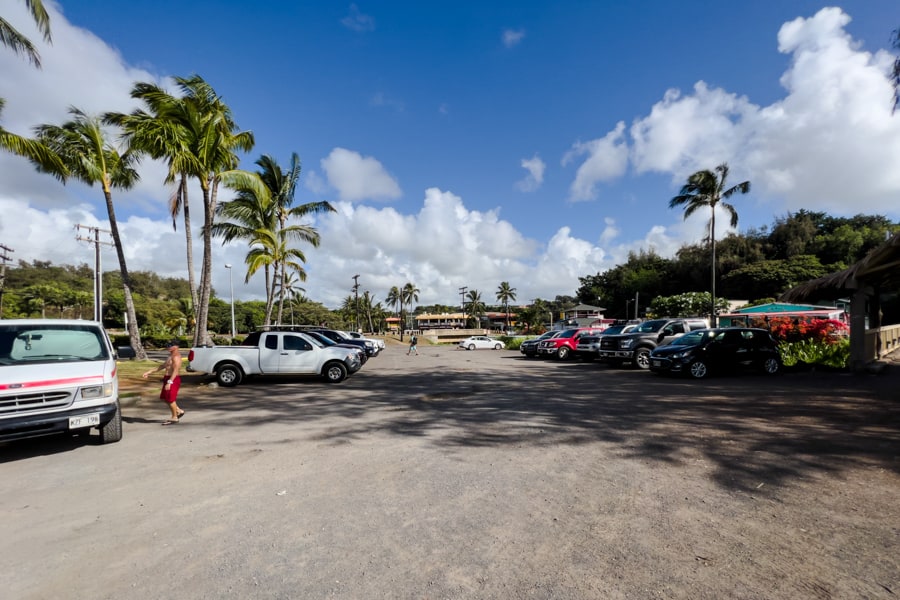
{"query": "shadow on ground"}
pixel 752 428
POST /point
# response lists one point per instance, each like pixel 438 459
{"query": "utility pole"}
pixel 356 293
pixel 4 258
pixel 98 273
pixel 462 299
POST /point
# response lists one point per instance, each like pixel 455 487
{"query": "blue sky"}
pixel 470 143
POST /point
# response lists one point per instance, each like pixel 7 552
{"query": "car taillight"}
pixel 191 355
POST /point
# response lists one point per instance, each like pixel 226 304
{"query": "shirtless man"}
pixel 171 381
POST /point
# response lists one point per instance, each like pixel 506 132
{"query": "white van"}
pixel 58 375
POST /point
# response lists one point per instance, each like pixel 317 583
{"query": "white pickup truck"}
pixel 56 376
pixel 274 353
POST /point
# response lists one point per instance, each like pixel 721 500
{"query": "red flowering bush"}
pixel 825 331
pixel 819 341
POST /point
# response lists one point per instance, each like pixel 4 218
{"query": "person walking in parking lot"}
pixel 171 382
pixel 413 341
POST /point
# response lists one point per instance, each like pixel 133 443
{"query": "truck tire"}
pixel 334 372
pixel 698 369
pixel 642 358
pixel 229 374
pixel 563 353
pixel 112 430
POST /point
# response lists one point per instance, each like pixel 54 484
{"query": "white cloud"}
pixel 830 144
pixel 358 177
pixel 535 167
pixel 441 248
pixel 512 37
pixel 357 21
pixel 607 159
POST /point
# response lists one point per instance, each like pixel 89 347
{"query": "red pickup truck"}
pixel 565 344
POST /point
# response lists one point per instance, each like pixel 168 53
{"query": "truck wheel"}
pixel 698 369
pixel 563 353
pixel 334 372
pixel 642 358
pixel 229 375
pixel 112 430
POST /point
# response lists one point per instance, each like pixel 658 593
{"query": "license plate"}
pixel 656 363
pixel 84 421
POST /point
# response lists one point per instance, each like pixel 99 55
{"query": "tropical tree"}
pixel 164 132
pixel 261 213
pixel 475 306
pixel 408 295
pixel 89 157
pixel 197 133
pixel 504 295
pixel 394 299
pixel 17 42
pixel 707 189
pixel 33 150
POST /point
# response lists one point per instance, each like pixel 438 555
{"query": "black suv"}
pixel 721 349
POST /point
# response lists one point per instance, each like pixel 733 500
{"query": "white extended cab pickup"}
pixel 274 353
pixel 58 375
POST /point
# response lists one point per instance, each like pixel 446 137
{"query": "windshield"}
pixel 650 326
pixel 613 330
pixel 568 333
pixel 319 340
pixel 29 343
pixel 694 338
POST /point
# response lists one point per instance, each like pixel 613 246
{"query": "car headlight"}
pixel 682 354
pixel 97 391
pixel 626 344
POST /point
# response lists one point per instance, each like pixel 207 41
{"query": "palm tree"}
pixel 504 295
pixel 17 42
pixel 162 133
pixel 89 157
pixel 33 150
pixel 475 307
pixel 198 135
pixel 263 206
pixel 408 295
pixel 395 300
pixel 707 189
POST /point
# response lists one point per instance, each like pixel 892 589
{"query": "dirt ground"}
pixel 461 474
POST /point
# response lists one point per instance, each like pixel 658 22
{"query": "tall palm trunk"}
pixel 189 244
pixel 134 335
pixel 712 239
pixel 201 335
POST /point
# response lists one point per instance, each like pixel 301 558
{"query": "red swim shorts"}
pixel 171 393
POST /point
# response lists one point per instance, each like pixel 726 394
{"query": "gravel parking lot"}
pixel 458 474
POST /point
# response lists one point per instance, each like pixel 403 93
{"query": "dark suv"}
pixel 715 350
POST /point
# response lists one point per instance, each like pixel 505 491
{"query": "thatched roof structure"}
pixel 881 267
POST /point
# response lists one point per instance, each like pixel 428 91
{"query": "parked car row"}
pixel 664 346
pixel 328 353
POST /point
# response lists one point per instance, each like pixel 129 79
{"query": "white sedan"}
pixel 477 342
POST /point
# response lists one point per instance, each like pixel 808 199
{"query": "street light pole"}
pixel 231 282
pixel 355 279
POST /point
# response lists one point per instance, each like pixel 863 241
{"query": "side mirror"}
pixel 124 352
